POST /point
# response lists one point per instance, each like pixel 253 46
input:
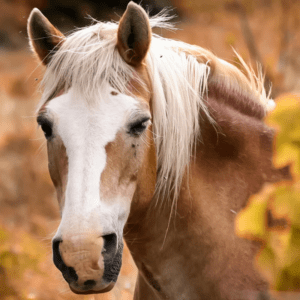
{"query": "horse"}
pixel 158 142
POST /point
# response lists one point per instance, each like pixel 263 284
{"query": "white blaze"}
pixel 85 131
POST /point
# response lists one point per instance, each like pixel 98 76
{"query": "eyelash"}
pixel 137 128
pixel 46 126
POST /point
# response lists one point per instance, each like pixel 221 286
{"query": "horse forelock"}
pixel 181 77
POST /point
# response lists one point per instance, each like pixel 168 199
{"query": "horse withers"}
pixel 156 141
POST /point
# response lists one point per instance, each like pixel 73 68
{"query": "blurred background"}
pixel 265 32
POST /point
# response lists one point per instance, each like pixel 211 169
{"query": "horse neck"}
pixel 184 241
pixel 196 237
pixel 229 165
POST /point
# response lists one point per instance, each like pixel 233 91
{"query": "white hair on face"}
pixel 88 58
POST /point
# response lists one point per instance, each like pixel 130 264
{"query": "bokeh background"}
pixel 265 32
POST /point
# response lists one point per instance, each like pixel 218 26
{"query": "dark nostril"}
pixel 90 283
pixel 56 254
pixel 110 245
pixel 68 272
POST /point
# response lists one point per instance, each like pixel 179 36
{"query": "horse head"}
pixel 100 143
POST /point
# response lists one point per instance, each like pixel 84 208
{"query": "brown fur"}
pixel 58 168
pixel 134 35
pixel 44 37
pixel 230 97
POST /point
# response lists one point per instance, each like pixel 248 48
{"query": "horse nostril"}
pixel 90 283
pixel 56 254
pixel 110 245
pixel 68 272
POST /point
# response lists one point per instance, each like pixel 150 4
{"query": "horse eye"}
pixel 138 127
pixel 46 126
pixel 47 130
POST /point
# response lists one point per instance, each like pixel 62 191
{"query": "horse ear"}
pixel 44 37
pixel 134 34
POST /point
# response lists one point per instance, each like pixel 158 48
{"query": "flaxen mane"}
pixel 182 76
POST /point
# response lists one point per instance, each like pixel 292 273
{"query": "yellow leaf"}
pixel 251 221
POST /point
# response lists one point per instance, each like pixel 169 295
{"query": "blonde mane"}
pixel 180 75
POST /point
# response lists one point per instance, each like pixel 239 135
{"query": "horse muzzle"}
pixel 89 264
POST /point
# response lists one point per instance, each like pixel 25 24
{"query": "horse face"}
pixel 95 156
pixel 99 156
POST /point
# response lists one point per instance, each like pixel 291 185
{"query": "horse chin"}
pixel 106 289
